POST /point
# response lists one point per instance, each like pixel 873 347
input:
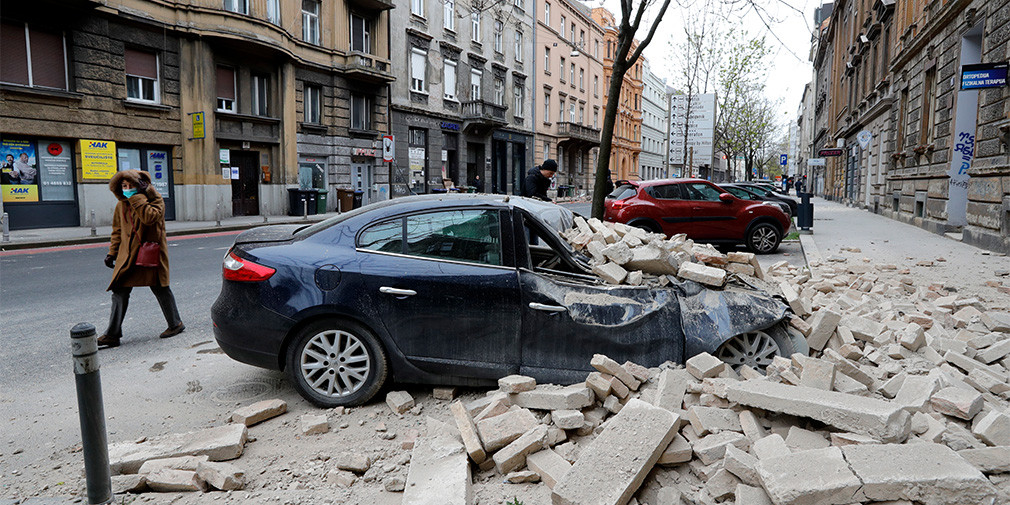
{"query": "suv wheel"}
pixel 763 238
pixel 757 349
pixel 336 363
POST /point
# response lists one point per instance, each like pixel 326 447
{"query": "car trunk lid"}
pixel 268 234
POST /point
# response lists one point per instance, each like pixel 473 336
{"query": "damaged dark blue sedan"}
pixel 462 290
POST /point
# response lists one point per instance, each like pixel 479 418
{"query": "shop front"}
pixel 37 179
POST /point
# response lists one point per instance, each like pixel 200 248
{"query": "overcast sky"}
pixel 789 39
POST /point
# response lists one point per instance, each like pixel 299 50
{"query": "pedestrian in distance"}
pixel 138 253
pixel 478 184
pixel 538 180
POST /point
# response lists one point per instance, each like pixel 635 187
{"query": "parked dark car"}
pixel 449 290
pixel 771 194
pixel 700 209
pixel 748 193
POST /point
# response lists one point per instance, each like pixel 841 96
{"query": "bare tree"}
pixel 746 117
pixel 624 58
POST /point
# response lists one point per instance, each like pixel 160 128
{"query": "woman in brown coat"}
pixel 139 218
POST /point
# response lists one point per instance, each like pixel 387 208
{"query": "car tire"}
pixel 763 238
pixel 336 363
pixel 758 348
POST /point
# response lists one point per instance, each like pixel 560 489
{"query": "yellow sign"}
pixel 20 193
pixel 98 159
pixel 198 131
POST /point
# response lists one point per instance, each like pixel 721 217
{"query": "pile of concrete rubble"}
pixel 622 254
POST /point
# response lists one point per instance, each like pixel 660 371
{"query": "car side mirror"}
pixel 726 197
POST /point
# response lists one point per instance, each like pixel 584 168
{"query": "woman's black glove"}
pixel 142 186
pixel 110 261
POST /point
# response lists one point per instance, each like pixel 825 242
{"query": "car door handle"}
pixel 547 308
pixel 398 292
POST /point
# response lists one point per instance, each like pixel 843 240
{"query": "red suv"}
pixel 702 210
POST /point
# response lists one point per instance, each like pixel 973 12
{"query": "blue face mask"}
pixel 129 192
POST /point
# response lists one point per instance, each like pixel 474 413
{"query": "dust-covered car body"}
pixel 453 289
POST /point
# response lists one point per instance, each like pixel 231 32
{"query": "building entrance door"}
pixel 499 167
pixel 245 189
pixel 361 180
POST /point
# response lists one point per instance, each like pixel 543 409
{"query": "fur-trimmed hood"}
pixel 134 176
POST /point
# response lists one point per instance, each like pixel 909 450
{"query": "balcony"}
pixel 368 68
pixel 373 5
pixel 577 135
pixel 480 116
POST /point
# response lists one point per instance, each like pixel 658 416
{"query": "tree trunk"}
pixel 607 136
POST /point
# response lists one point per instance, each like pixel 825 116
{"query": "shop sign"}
pixel 157 166
pixel 449 126
pixel 361 151
pixel 98 159
pixel 55 171
pixel 984 75
pixel 198 124
pixel 224 156
pixel 831 152
pixel 19 170
pixel 816 162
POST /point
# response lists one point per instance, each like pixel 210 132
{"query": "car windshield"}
pixel 741 193
pixel 759 190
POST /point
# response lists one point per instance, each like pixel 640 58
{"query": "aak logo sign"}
pixel 98 145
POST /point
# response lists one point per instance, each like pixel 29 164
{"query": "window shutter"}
pixel 14 64
pixel 226 83
pixel 48 64
pixel 141 64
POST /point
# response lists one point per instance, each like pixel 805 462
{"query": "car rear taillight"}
pixel 242 270
pixel 618 204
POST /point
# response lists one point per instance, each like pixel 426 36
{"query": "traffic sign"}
pixel 783 159
pixel 387 148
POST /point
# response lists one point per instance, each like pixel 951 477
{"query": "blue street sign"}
pixel 783 159
pixel 984 75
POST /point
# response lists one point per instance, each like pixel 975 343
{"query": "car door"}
pixel 711 218
pixel 675 210
pixel 446 295
pixel 568 317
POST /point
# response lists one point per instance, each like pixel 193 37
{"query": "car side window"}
pixel 739 193
pixel 386 236
pixel 473 236
pixel 702 191
pixel 665 192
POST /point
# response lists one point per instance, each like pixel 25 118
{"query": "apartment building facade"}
pixel 226 103
pixel 627 142
pixel 462 109
pixel 655 126
pixel 570 86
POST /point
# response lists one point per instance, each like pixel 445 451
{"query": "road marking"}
pixel 18 252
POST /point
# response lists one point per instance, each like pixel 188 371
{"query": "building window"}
pixel 475 26
pixel 571 112
pixel 547 149
pixel 260 94
pixel 547 108
pixel 596 117
pixel 361 112
pixel 582 114
pixel 310 21
pixel 582 39
pixel 225 89
pixel 499 91
pixel 547 13
pixel 596 85
pixel 571 74
pixel 361 34
pixel 32 57
pixel 561 31
pixel 417 7
pixel 499 27
pixel 475 76
pixel 561 111
pixel 449 71
pixel 518 3
pixel 899 141
pixel 572 33
pixel 417 68
pixel 596 48
pixel 519 46
pixel 547 60
pixel 449 14
pixel 239 6
pixel 274 11
pixel 313 104
pixel 582 79
pixel 141 76
pixel 928 107
pixel 561 74
pixel 518 97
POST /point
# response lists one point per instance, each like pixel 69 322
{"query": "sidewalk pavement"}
pixel 52 237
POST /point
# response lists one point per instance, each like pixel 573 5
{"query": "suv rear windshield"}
pixel 623 192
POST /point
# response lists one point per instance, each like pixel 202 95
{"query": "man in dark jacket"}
pixel 538 180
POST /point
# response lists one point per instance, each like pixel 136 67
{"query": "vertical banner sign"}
pixel 387 148
pixel 962 157
pixel 19 170
pixel 55 170
pixel 157 166
pixel 198 125
pixel 98 159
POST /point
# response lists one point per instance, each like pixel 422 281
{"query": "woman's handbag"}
pixel 149 255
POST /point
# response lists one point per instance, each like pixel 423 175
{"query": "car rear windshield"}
pixel 623 192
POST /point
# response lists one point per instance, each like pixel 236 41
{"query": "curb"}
pixel 811 253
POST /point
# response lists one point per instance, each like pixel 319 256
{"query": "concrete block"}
pixel 522 477
pixel 513 456
pixel 712 448
pixel 178 463
pixel 499 431
pixel 722 485
pixel 957 402
pixel 752 428
pixel 618 252
pixel 497 407
pixel 259 412
pixel 995 352
pixel 840 439
pixel 568 419
pixel 740 257
pixel 222 476
pixel 671 389
pixel 439 472
pixel 610 272
pixel 516 384
pixel 988 460
pixel 801 325
pixel 476 406
pixel 697 272
pixel 121 484
pixel 341 478
pixel 168 480
pixel 617 388
pixel 555 436
pixel 612 404
pixel 399 401
pixel 708 254
pixel 707 420
pixel 653 260
pixel 967 364
pixel 997 321
pixel 993 428
pixel 679 451
pixel 551 397
pixel 313 424
pixel 637 371
pixel 912 337
pixel 867 416
pixel 847 367
pixel 822 326
pixel 750 495
pixel 799 439
pixel 613 466
pixel 932 474
pixel 353 462
pixel 771 446
pixel 218 444
pixel 861 327
pixel 444 393
pixel 600 386
pixel 818 374
pixel 741 464
pixel 704 365
pixel 799 304
pixel 915 392
pixel 740 269
pixel 606 365
pixel 893 385
pixel 819 477
pixel 549 465
pixel 468 432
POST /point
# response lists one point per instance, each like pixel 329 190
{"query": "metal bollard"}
pixel 218 214
pixel 84 347
pixel 305 208
pixel 264 218
pixel 5 222
pixel 94 232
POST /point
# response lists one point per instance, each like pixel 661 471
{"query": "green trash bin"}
pixel 321 201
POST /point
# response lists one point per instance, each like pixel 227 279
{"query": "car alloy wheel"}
pixel 763 238
pixel 755 349
pixel 336 363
